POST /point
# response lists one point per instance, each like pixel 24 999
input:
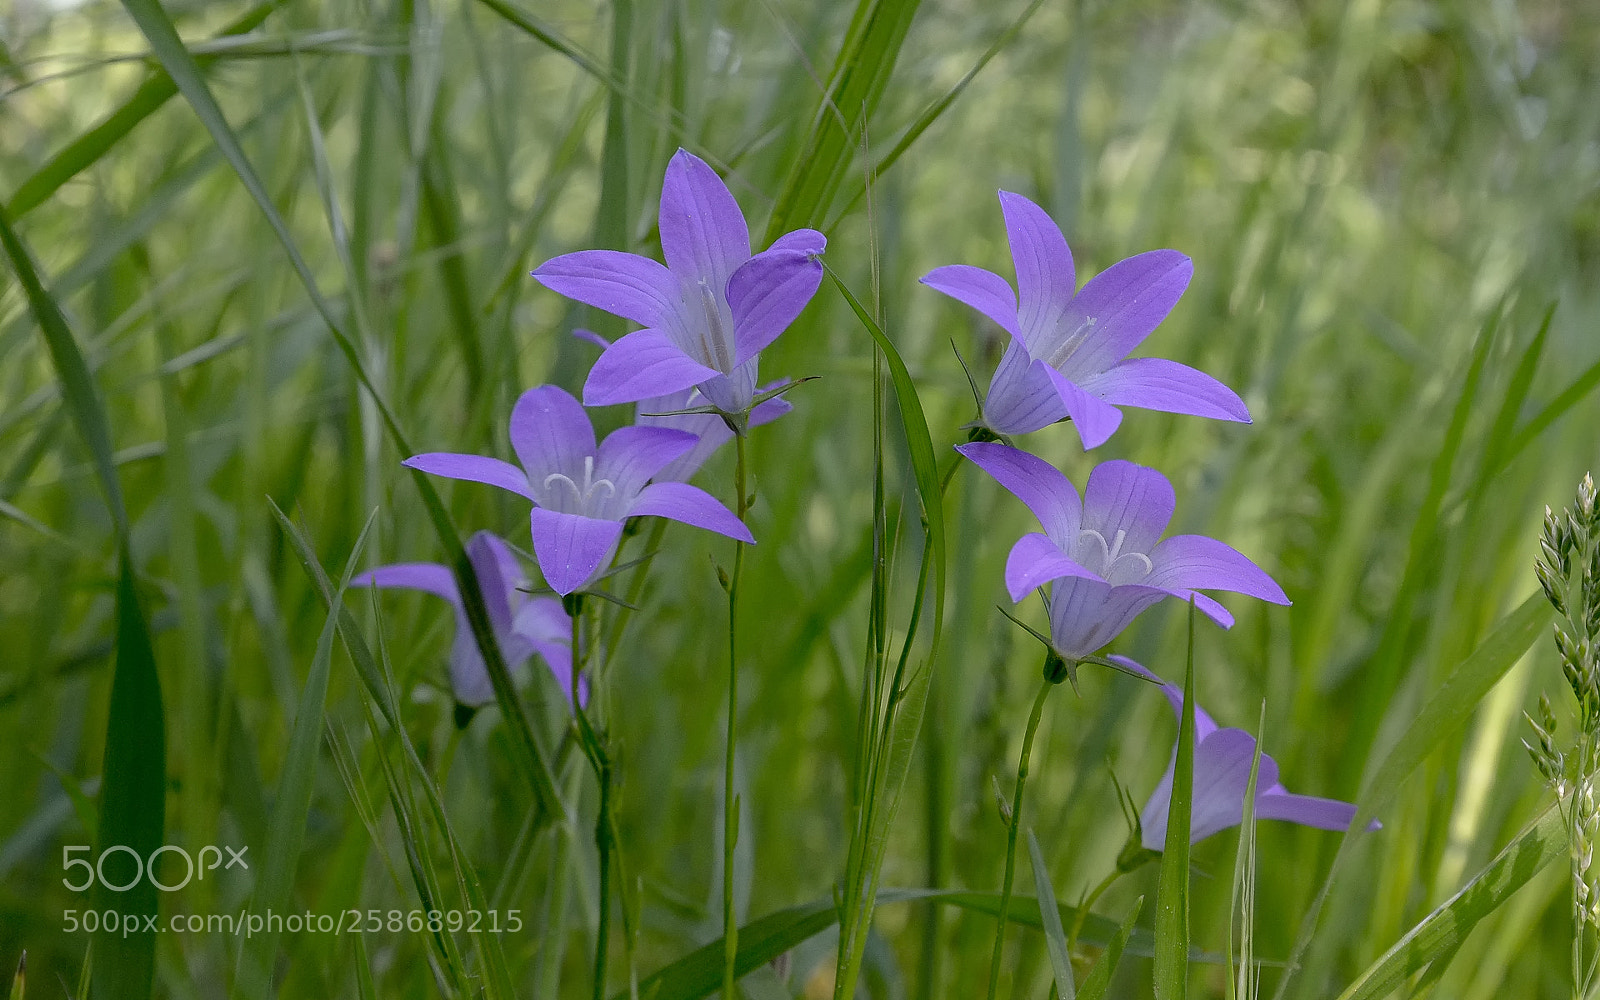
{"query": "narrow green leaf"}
pixel 88 148
pixel 1242 902
pixel 1442 931
pixel 286 830
pixel 1055 936
pixel 83 399
pixel 1172 891
pixel 169 49
pixel 19 982
pixel 1497 452
pixel 860 74
pixel 1452 705
pixel 1099 978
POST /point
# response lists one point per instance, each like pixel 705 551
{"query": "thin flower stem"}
pixel 605 824
pixel 730 806
pixel 1011 836
pixel 1087 905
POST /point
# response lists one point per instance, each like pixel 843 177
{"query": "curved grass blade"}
pixel 133 784
pixel 860 74
pixel 286 830
pixel 1055 936
pixel 1099 978
pixel 84 151
pixel 185 72
pixel 1441 932
pixel 1172 891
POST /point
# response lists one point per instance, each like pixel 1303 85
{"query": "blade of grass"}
pixel 1055 936
pixel 860 74
pixel 133 785
pixel 169 49
pixel 1242 902
pixel 19 982
pixel 1442 931
pixel 286 829
pixel 86 150
pixel 1098 981
pixel 1172 891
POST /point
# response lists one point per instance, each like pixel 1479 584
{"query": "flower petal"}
pixel 766 294
pixel 805 240
pixel 551 434
pixel 469 676
pixel 690 505
pixel 571 548
pixel 644 363
pixel 1116 310
pixel 473 468
pixel 1134 501
pixel 1204 724
pixel 1044 488
pixel 983 290
pixel 624 284
pixel 1221 776
pixel 1034 561
pixel 1189 562
pixel 1159 384
pixel 1046 278
pixel 1021 397
pixel 546 627
pixel 430 578
pixel 1085 614
pixel 1307 810
pixel 498 575
pixel 632 456
pixel 1095 419
pixel 703 233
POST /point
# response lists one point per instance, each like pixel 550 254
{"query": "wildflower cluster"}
pixel 1568 568
pixel 1102 556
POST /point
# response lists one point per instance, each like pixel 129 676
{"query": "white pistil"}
pixel 1060 356
pixel 714 338
pixel 1112 553
pixel 583 494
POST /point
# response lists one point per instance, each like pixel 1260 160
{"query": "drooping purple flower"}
pixel 523 625
pixel 711 430
pixel 1222 757
pixel 1069 348
pixel 708 312
pixel 1105 557
pixel 582 494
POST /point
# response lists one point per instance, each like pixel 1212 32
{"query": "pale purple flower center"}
pixel 587 495
pixel 1108 558
pixel 716 335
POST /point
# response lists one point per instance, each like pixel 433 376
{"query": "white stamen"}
pixel 584 494
pixel 1060 356
pixel 1112 553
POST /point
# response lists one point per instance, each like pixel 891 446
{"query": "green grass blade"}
pixel 19 982
pixel 1497 452
pixel 86 150
pixel 1442 931
pixel 1098 980
pixel 860 74
pixel 1172 891
pixel 83 399
pixel 286 830
pixel 1451 706
pixel 1055 936
pixel 1241 907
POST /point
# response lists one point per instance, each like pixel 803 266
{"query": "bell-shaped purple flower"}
pixel 1105 557
pixel 1222 757
pixel 523 625
pixel 583 494
pixel 1069 351
pixel 710 429
pixel 707 313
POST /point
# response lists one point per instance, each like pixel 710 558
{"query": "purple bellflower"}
pixel 582 494
pixel 1222 757
pixel 711 430
pixel 708 312
pixel 523 625
pixel 1105 556
pixel 1069 348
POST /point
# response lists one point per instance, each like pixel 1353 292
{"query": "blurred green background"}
pixel 1375 194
